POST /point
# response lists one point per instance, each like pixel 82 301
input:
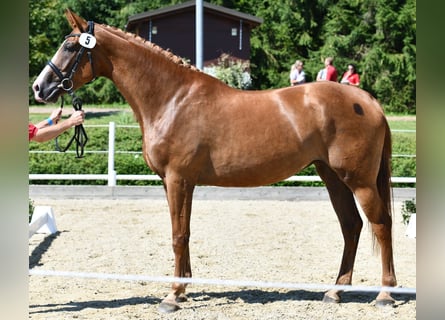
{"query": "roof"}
pixel 250 19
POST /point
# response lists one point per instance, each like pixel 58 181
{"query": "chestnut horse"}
pixel 196 130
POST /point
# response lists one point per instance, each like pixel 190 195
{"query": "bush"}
pixel 408 208
pixel 233 72
pixel 31 210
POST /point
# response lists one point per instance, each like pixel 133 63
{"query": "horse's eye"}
pixel 70 46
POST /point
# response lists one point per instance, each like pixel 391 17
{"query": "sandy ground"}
pixel 279 241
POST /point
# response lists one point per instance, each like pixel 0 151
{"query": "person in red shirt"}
pixel 351 76
pixel 329 73
pixel 50 128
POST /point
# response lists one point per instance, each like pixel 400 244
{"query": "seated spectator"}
pixel 351 76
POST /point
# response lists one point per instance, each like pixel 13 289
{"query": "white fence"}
pixel 42 221
pixel 112 175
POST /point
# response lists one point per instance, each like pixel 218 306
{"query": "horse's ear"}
pixel 75 21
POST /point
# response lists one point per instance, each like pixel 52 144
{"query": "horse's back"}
pixel 329 100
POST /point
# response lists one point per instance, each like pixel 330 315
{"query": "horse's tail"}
pixel 384 176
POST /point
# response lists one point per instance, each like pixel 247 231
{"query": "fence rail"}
pixel 112 176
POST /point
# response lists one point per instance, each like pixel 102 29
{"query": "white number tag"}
pixel 87 40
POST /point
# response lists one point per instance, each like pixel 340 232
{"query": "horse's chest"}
pixel 169 145
pixel 156 156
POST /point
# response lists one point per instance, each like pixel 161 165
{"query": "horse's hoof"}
pixel 384 299
pixel 331 298
pixel 384 303
pixel 181 298
pixel 168 307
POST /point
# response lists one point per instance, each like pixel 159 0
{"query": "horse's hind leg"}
pixel 351 225
pixel 381 223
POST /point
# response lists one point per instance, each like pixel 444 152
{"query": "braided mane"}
pixel 150 45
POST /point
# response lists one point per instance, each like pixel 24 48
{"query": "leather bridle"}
pixel 66 84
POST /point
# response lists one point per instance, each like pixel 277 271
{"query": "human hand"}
pixel 55 115
pixel 77 117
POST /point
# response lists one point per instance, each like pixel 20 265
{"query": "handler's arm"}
pixel 50 132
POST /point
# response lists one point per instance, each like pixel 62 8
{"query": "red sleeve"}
pixel 32 131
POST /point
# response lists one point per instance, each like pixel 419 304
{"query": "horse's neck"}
pixel 144 75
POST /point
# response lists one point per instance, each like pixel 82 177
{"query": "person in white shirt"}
pixel 297 75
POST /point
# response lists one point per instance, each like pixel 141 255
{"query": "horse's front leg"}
pixel 179 196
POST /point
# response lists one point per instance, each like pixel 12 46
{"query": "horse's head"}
pixel 72 65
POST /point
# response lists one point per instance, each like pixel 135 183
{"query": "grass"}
pixel 120 115
pixel 402 124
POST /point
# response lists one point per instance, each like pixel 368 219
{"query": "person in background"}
pixel 297 75
pixel 50 128
pixel 321 76
pixel 329 73
pixel 351 76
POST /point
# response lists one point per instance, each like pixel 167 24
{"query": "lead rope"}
pixel 80 136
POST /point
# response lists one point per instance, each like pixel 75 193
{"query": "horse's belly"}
pixel 252 173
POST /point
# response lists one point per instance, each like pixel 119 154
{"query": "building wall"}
pixel 176 32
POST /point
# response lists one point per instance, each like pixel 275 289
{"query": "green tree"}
pixel 395 37
pixel 290 31
pixel 379 36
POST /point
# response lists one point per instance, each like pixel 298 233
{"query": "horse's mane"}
pixel 144 42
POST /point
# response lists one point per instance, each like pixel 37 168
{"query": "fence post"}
pixel 111 171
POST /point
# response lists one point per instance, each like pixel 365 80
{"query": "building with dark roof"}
pixel 226 31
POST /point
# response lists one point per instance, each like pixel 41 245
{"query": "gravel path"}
pixel 261 240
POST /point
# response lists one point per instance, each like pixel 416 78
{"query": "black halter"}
pixel 66 84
